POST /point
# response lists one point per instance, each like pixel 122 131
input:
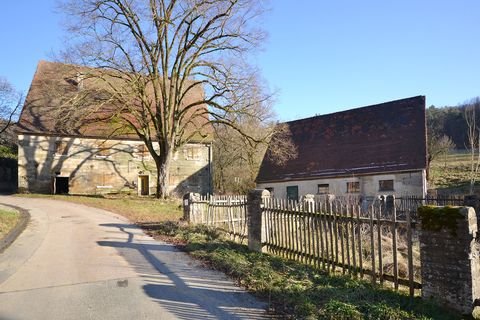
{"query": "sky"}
pixel 320 56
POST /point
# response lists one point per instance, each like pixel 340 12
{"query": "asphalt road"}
pixel 76 262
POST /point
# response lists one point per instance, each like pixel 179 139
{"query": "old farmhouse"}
pixel 58 153
pixel 369 151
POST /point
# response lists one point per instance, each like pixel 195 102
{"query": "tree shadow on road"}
pixel 179 284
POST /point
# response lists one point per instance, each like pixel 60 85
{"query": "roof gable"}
pixel 380 138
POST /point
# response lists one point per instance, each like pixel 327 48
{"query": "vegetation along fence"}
pixel 376 239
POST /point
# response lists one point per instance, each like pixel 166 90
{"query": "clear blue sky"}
pixel 321 56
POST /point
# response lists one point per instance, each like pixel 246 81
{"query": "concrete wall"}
pixel 405 183
pixel 98 166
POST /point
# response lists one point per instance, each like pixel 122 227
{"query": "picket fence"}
pixel 228 213
pixel 377 240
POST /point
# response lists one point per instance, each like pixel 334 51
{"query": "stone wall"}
pixel 450 256
pixel 97 166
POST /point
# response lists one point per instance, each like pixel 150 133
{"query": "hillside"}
pixel 450 173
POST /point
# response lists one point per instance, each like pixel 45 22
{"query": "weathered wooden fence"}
pixel 228 213
pixel 340 236
pixel 378 240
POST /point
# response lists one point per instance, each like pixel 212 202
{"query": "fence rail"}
pixel 378 240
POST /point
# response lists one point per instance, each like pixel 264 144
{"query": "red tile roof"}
pixel 381 138
pixel 55 86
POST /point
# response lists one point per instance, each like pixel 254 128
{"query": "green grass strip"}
pixel 296 290
pixel 8 220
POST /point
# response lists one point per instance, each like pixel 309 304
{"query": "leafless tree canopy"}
pixel 157 53
pixel 238 159
pixel 473 135
pixel 10 101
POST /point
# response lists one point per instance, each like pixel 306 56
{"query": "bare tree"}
pixel 437 147
pixel 473 135
pixel 156 54
pixel 10 101
pixel 238 158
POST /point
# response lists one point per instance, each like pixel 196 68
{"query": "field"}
pixel 451 172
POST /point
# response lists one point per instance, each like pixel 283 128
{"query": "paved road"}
pixel 76 262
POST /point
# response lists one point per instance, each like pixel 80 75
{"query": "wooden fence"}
pixel 378 240
pixel 337 236
pixel 228 213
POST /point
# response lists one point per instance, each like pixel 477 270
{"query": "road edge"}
pixel 13 234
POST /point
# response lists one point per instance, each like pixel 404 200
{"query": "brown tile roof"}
pixel 54 89
pixel 386 137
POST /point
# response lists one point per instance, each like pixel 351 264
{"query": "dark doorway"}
pixel 144 185
pixel 61 185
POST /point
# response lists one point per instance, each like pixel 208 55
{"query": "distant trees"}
pixel 455 127
pixel 438 143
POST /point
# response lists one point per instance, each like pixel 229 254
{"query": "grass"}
pixel 296 290
pixel 8 220
pixel 138 210
pixel 451 172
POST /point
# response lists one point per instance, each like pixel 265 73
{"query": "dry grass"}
pixel 138 210
pixel 451 171
pixel 8 220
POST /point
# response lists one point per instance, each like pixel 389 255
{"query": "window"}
pixel 61 148
pixel 385 185
pixel 323 188
pixel 142 151
pixel 353 187
pixel 192 153
pixel 292 193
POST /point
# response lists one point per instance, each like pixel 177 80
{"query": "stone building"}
pixel 62 155
pixel 363 152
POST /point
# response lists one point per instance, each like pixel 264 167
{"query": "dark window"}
pixel 323 188
pixel 385 185
pixel 61 148
pixel 292 193
pixel 353 187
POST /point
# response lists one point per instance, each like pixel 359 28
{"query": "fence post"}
pixel 308 198
pixel 190 210
pixel 449 256
pixel 473 201
pixel 256 221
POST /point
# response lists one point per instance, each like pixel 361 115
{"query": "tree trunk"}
pixel 163 173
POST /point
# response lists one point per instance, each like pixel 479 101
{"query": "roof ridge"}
pixel 357 108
